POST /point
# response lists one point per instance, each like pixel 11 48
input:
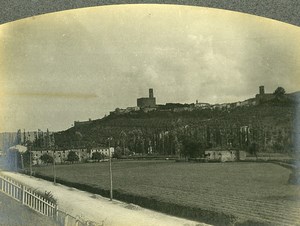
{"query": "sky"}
pixel 79 64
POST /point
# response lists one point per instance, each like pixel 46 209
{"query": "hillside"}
pixel 266 126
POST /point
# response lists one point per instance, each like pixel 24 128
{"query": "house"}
pixel 103 150
pixel 225 155
pixel 78 123
pixel 130 109
pixel 249 102
pixel 60 156
pixel 202 105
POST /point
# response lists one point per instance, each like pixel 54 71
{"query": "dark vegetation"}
pixel 72 157
pixel 266 127
pixel 46 158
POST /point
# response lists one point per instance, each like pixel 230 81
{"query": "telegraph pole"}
pixel 110 170
pixel 54 169
pixel 30 162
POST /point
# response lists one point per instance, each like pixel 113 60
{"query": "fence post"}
pixel 66 220
pixel 55 213
pixel 23 194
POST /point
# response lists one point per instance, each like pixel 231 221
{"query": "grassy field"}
pixel 12 213
pixel 249 191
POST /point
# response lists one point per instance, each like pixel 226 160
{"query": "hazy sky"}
pixel 80 64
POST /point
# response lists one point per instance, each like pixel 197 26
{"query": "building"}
pixel 103 150
pixel 78 123
pixel 131 109
pixel 262 96
pixel 147 102
pixel 59 156
pixel 120 111
pixel 225 155
pixel 249 102
pixel 202 105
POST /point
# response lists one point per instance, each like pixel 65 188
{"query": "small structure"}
pixel 225 155
pixel 78 123
pixel 262 96
pixel 103 150
pixel 249 102
pixel 202 105
pixel 19 148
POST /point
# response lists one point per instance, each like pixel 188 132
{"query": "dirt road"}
pixel 96 208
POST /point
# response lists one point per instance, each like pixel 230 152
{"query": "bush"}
pixel 72 157
pixel 46 158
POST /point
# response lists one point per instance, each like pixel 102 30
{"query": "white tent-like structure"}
pixel 13 156
pixel 19 148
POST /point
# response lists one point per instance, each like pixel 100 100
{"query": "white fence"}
pixel 38 203
pixel 27 197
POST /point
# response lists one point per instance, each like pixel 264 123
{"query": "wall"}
pixel 146 102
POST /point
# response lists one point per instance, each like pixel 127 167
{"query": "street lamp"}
pixel 110 170
pixel 54 169
pixel 30 161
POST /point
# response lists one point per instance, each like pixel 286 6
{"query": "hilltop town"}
pixel 262 123
pixel 148 104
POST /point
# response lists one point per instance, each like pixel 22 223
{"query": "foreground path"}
pixel 99 209
pixel 13 213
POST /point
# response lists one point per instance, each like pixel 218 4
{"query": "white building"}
pixel 202 105
pixel 59 156
pixel 103 150
pixel 225 155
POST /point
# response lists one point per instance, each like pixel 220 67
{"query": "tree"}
pixel 191 148
pixel 78 138
pixel 279 92
pixel 26 158
pixel 253 149
pixel 123 136
pixel 117 153
pixel 46 158
pixel 97 156
pixel 72 157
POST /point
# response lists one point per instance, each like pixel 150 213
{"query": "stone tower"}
pixel 151 93
pixel 147 102
pixel 261 90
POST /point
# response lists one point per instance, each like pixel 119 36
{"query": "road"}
pixel 98 209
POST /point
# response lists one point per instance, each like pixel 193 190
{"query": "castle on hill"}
pixel 262 96
pixel 147 104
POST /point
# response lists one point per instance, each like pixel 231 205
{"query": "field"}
pixel 251 192
pixel 14 214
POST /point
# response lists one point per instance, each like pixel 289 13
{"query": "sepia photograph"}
pixel 149 114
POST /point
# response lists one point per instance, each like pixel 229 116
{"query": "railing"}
pixel 38 203
pixel 11 188
pixel 64 219
pixel 27 197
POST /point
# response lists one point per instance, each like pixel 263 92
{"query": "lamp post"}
pixel 110 170
pixel 30 161
pixel 54 169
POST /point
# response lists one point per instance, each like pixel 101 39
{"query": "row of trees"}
pixel 173 142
